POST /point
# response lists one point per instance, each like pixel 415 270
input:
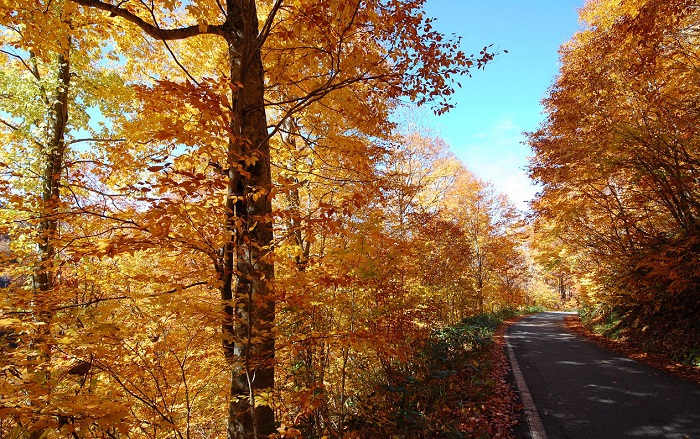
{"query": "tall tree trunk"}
pixel 248 269
pixel 52 166
pixel 245 271
pixel 51 177
pixel 294 202
pixel 481 301
pixel 562 287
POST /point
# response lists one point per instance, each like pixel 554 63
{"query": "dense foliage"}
pixel 455 387
pixel 618 159
pixel 211 226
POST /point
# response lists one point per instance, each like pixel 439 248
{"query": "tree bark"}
pixel 51 177
pixel 44 275
pixel 248 267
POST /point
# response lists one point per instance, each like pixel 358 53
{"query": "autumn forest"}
pixel 219 218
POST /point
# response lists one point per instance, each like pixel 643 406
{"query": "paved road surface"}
pixel 582 390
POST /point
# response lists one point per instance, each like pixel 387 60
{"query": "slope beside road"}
pixel 582 390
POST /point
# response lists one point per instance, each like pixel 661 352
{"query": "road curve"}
pixel 584 391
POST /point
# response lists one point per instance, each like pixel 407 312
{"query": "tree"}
pixel 416 65
pixel 618 160
pixel 48 82
pixel 491 226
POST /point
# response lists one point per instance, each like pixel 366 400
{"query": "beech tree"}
pixel 618 160
pixel 391 46
pixel 49 80
pixel 242 209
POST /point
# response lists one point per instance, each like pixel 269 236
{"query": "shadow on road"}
pixel 582 390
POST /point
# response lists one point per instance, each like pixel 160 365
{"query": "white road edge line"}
pixel 533 417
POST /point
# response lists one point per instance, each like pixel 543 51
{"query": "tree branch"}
pixel 105 299
pixel 150 29
pixel 267 26
pixel 94 140
pixel 10 125
pixel 24 63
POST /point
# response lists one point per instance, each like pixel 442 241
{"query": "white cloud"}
pixel 498 155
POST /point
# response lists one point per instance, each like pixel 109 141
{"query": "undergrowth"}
pixel 663 333
pixel 454 388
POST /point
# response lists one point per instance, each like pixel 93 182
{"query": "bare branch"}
pixel 150 29
pixel 10 125
pixel 24 63
pixel 106 299
pixel 90 302
pixel 170 51
pixel 15 127
pixel 267 27
pixel 94 140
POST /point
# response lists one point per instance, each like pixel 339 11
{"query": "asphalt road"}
pixel 582 390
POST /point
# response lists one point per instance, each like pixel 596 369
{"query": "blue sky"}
pixel 496 105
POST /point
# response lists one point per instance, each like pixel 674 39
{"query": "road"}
pixel 582 390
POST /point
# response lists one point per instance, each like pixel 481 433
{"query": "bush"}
pixel 452 373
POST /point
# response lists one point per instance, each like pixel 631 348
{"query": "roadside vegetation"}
pixel 618 160
pixel 456 387
pixel 217 220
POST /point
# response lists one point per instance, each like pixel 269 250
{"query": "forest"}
pixel 222 219
pixel 617 157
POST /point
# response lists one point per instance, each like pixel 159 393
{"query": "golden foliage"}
pixel 190 185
